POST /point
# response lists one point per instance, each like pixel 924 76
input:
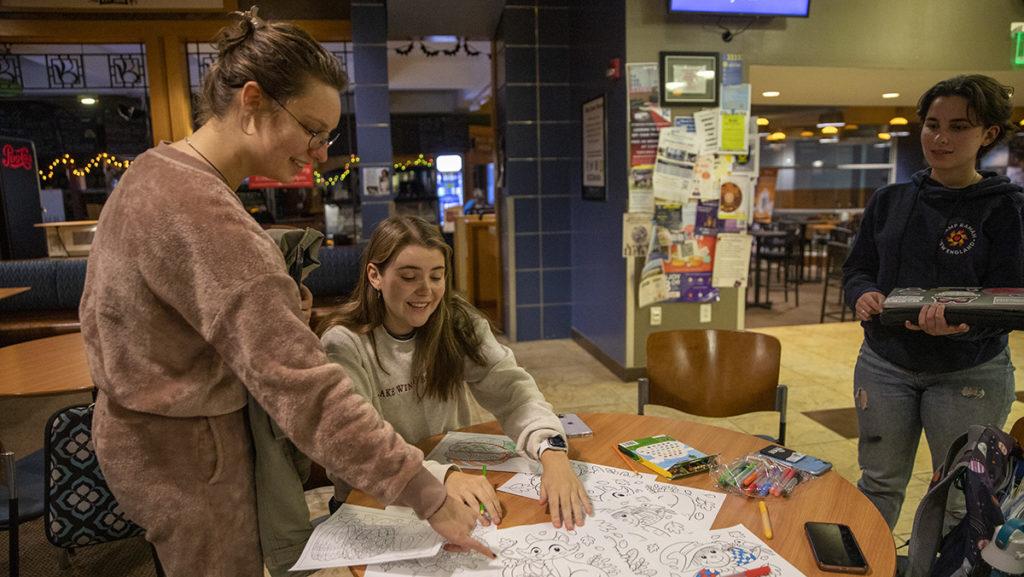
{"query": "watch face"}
pixel 557 442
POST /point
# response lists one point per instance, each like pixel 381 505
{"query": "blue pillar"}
pixel 372 103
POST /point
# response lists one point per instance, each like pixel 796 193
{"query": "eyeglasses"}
pixel 317 140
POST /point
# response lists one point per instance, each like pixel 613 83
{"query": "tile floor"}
pixel 817 364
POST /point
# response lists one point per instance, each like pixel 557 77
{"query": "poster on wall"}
pixel 376 180
pixel 594 150
pixel 636 233
pixel 764 198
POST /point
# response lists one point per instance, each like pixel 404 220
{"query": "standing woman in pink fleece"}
pixel 188 305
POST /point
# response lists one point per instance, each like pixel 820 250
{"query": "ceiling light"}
pixel 831 119
pixel 851 127
pixel 761 121
pixel 898 121
pixel 775 136
pixel 87 100
pixel 807 133
pixel 770 93
pixel 829 130
pixel 441 39
pixel 817 164
pixel 832 140
pixel 884 136
pixel 890 95
pixel 1021 122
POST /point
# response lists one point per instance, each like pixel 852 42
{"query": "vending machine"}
pixel 20 207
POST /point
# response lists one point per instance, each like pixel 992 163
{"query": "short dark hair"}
pixel 988 103
pixel 281 57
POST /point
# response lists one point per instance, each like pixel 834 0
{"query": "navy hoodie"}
pixel 922 234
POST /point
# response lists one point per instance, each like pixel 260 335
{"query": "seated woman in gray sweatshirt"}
pixel 417 351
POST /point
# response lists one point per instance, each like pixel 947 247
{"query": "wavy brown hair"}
pixel 988 104
pixel 447 338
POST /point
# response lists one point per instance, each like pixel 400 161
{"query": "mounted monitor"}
pixel 798 8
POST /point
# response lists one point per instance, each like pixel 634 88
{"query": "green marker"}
pixel 482 510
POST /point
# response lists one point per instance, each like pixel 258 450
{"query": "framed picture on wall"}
pixel 594 141
pixel 688 78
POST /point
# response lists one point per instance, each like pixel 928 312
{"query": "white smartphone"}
pixel 574 425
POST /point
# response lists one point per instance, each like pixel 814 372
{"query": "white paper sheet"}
pixel 444 563
pixel 721 551
pixel 706 122
pixel 732 260
pixel 356 535
pixel 535 550
pixel 473 450
pixel 600 482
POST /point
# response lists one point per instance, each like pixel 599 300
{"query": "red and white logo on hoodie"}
pixel 958 239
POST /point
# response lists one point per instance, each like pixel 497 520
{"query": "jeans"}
pixel 893 405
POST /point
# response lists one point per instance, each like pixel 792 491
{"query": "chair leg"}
pixel 64 560
pixel 12 510
pixel 156 561
pixel 824 300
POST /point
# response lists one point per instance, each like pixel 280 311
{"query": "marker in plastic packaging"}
pixel 777 489
pixel 790 485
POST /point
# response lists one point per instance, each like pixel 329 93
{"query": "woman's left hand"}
pixel 562 491
pixel 932 320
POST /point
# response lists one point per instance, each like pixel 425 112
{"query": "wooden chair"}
pixel 21 497
pixel 1017 432
pixel 836 256
pixel 714 373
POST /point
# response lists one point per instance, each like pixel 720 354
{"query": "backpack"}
pixel 961 510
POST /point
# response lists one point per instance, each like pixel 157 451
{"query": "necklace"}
pixel 203 156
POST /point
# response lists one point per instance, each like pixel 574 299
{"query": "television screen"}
pixel 742 7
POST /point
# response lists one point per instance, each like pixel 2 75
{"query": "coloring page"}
pixel 707 554
pixel 665 509
pixel 356 535
pixel 600 482
pixel 543 551
pixel 473 450
pixel 444 563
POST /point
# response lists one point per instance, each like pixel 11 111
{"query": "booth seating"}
pixel 50 308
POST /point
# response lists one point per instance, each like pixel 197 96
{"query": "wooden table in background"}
pixel 829 498
pixel 11 291
pixel 50 366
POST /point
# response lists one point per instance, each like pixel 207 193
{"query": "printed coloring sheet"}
pixel 719 552
pixel 472 450
pixel 356 535
pixel 444 563
pixel 541 550
pixel 599 481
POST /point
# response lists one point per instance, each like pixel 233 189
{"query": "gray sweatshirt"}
pixel 500 386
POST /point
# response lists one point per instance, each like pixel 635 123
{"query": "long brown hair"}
pixel 281 57
pixel 448 336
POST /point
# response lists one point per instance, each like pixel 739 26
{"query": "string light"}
pixel 68 161
pixel 318 178
pixel 419 161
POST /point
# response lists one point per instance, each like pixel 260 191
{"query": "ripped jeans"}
pixel 893 405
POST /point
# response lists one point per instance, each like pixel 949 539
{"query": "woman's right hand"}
pixel 869 303
pixel 474 490
pixel 455 522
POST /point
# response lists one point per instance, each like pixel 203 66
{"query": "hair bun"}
pixel 231 37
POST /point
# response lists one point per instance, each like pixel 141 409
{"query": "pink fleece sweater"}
pixel 187 304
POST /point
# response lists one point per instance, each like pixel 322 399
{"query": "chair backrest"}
pixel 837 253
pixel 713 373
pixel 79 507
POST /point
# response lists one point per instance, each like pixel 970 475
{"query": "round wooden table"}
pixel 829 498
pixel 50 366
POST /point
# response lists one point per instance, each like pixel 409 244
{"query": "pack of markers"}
pixel 758 476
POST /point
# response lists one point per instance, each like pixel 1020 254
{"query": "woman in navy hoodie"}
pixel 950 226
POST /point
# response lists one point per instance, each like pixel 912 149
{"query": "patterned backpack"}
pixel 961 510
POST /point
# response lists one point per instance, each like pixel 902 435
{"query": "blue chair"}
pixel 21 496
pixel 79 508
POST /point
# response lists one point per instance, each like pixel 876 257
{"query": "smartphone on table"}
pixel 574 425
pixel 835 548
pixel 798 461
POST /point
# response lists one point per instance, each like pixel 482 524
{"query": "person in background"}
pixel 187 305
pixel 417 351
pixel 952 226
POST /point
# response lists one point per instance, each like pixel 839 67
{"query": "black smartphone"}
pixel 835 548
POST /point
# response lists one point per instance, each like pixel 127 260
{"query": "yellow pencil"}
pixel 629 462
pixel 766 521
